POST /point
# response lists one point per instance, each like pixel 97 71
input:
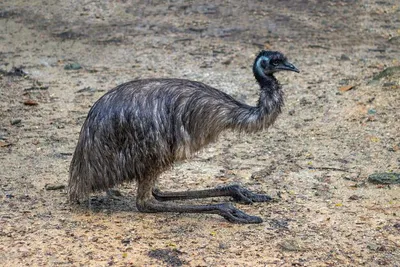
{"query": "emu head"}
pixel 269 62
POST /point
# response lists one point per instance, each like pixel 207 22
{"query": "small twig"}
pixel 183 40
pixel 329 168
pixel 66 153
pixel 319 46
pixel 33 88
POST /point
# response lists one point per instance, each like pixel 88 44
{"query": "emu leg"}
pixel 238 193
pixel 146 202
pixel 226 210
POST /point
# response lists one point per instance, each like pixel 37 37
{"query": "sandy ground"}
pixel 315 160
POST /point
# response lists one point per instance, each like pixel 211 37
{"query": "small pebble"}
pixel 126 241
pixel 388 72
pixel 54 186
pixel 354 197
pixel 384 178
pixel 344 57
pixel 93 239
pixel 72 66
pixel 15 121
pixel 223 246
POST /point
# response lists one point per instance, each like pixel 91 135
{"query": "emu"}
pixel 137 130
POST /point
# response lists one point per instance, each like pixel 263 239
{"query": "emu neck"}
pixel 271 95
pixel 257 118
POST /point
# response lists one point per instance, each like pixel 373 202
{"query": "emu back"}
pixel 139 129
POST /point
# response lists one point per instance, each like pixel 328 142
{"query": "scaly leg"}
pixel 226 210
pixel 237 192
pixel 146 202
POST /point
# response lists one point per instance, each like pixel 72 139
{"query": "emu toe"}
pixel 234 215
pixel 245 196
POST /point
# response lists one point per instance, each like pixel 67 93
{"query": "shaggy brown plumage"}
pixel 139 129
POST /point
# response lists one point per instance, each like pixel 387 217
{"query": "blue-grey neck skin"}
pixel 264 73
pixel 269 85
pixel 258 70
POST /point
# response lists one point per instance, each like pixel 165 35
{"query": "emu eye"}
pixel 275 63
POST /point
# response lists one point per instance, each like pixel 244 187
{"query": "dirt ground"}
pixel 56 59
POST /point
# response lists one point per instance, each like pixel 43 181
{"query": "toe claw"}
pixel 232 214
pixel 247 197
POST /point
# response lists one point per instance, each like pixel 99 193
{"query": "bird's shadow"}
pixel 109 204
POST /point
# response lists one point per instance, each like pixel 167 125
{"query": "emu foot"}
pixel 245 196
pixel 234 215
pixel 226 210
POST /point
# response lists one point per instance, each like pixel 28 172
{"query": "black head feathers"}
pixel 269 62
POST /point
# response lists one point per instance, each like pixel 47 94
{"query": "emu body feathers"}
pixel 139 129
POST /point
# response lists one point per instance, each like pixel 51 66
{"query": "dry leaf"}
pixel 375 139
pixel 3 144
pixel 346 88
pixel 171 244
pixel 30 102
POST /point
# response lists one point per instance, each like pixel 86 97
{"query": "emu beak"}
pixel 288 66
